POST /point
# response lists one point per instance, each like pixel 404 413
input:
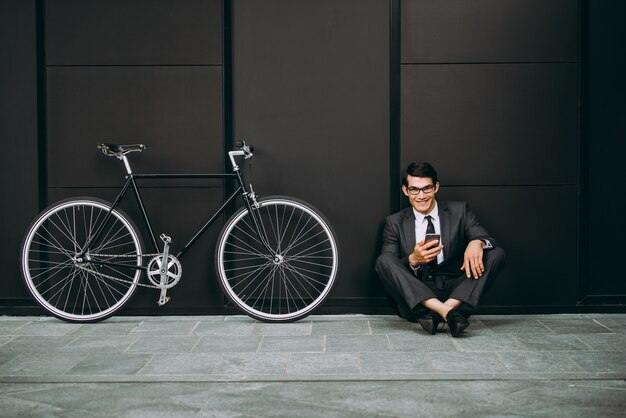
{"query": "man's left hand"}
pixel 473 259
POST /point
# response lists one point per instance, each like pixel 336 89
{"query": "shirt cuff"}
pixel 415 269
pixel 488 244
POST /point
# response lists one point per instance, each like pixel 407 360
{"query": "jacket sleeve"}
pixel 391 243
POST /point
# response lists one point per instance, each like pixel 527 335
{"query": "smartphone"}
pixel 432 237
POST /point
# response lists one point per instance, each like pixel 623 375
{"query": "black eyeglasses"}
pixel 416 190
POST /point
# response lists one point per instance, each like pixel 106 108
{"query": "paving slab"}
pixel 181 364
pixel 539 362
pixel 292 344
pixel 100 344
pixel 339 365
pixel 95 365
pixel 357 343
pixel 320 399
pixel 224 328
pixel 10 326
pixel 421 342
pixel 341 327
pixel 39 364
pixel 552 342
pixel 575 326
pixel 50 327
pixel 400 364
pixel 245 365
pixel 228 343
pixel 35 344
pixel 515 326
pixel 164 344
pixel 309 364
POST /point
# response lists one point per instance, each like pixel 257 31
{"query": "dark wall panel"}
pixel 489 30
pixel 536 227
pixel 486 124
pixel 489 95
pixel 179 213
pixel 311 92
pixel 18 135
pixel 137 32
pixel 603 78
pixel 141 72
pixel 175 111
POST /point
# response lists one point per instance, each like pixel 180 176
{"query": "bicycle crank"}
pixel 164 275
pixel 164 271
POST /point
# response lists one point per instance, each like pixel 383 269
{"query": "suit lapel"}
pixel 444 224
pixel 408 227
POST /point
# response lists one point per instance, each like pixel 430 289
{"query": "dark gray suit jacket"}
pixel 458 225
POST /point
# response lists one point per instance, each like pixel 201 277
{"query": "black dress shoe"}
pixel 430 322
pixel 457 321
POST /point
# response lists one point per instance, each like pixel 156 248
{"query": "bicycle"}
pixel 82 258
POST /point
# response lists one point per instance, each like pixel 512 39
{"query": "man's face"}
pixel 421 193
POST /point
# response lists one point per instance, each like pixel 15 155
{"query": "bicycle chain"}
pixel 117 279
pixel 126 255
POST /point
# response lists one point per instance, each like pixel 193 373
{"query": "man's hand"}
pixel 473 259
pixel 424 253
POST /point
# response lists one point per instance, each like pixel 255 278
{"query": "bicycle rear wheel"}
pixel 291 285
pixel 65 277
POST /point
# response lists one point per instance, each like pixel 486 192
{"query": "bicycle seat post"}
pixel 126 164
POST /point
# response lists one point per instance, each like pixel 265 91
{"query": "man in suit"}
pixel 439 280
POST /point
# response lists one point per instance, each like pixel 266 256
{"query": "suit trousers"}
pixel 405 291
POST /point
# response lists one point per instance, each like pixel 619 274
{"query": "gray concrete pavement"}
pixel 352 365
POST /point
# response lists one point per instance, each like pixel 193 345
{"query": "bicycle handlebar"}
pixel 247 149
pixel 246 152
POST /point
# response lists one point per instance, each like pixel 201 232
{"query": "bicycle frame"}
pixel 249 199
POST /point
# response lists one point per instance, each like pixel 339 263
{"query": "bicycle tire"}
pixel 287 289
pixel 61 284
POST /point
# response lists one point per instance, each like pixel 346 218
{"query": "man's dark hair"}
pixel 419 169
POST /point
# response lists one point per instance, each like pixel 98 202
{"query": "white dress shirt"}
pixel 421 224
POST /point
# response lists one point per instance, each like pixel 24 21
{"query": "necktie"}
pixel 430 229
pixel 439 281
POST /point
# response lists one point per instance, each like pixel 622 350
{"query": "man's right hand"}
pixel 424 253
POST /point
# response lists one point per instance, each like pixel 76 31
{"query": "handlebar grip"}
pixel 245 147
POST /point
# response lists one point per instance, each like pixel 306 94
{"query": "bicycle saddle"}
pixel 115 150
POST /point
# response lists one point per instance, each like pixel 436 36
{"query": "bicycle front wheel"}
pixel 293 281
pixel 74 282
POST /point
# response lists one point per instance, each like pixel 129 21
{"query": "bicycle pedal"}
pixel 163 299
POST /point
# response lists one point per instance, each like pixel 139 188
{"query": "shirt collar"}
pixel 433 213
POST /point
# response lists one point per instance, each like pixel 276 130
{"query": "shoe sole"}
pixel 428 326
pixel 459 330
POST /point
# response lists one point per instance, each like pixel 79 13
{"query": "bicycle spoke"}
pixel 299 274
pixel 285 287
pixel 56 244
pixel 59 281
pixel 299 239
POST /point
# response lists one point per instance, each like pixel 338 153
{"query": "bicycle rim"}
pixel 74 289
pixel 290 286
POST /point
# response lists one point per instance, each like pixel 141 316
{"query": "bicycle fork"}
pixel 253 206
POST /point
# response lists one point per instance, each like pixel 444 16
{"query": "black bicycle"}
pixel 83 258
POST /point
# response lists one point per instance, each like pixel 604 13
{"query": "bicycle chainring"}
pixel 173 271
